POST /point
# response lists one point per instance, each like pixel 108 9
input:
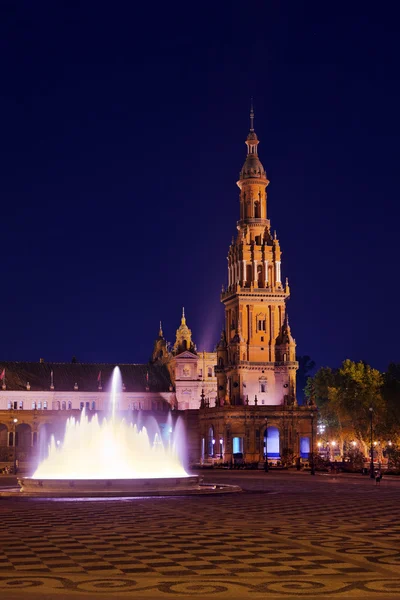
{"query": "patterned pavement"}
pixel 286 536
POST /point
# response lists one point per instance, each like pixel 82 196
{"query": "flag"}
pixel 3 375
pixel 99 376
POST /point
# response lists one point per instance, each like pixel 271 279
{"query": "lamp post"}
pixel 312 443
pixel 15 421
pixel 371 466
pixel 266 446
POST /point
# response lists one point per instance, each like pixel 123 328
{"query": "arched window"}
pixel 211 441
pixel 81 405
pixel 64 406
pixel 9 404
pixel 45 405
pixel 70 405
pixel 93 405
pixel 39 405
pixel 257 213
pixel 209 371
pixel 271 441
pixel 33 405
pixel 220 362
pixel 58 406
pixel 21 404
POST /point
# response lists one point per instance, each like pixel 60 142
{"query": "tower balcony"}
pixel 248 222
pixel 269 291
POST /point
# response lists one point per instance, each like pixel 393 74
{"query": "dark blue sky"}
pixel 121 142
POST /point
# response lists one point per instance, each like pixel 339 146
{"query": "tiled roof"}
pixel 65 375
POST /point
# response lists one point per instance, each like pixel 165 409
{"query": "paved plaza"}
pixel 286 536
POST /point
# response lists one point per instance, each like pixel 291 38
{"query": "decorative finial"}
pixel 160 333
pixel 183 320
pixel 275 234
pixel 251 116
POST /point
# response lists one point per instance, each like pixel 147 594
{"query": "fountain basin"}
pixel 78 488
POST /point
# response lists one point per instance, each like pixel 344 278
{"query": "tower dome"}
pixel 252 167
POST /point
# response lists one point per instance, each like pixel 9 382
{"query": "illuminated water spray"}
pixel 112 449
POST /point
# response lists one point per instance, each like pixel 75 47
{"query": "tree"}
pixel 344 397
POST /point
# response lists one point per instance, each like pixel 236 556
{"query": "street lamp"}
pixel 221 441
pixel 312 443
pixel 15 421
pixel 371 466
pixel 266 446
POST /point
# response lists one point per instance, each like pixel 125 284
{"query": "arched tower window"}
pixel 257 210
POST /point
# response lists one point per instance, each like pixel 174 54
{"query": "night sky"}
pixel 122 138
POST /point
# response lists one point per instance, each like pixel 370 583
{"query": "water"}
pixel 112 449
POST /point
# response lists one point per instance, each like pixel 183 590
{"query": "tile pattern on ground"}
pixel 310 534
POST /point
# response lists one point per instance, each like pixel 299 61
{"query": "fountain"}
pixel 114 458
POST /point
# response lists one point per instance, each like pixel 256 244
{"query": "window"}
pixel 262 338
pixel 81 405
pixel 209 371
pixel 64 406
pixel 87 404
pixel 262 387
pixel 9 404
pixel 200 372
pixel 21 404
pixel 15 404
pixel 45 405
pixel 33 405
pixel 70 405
pixel 93 405
pixel 39 405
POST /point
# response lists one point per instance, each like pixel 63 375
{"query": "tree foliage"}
pixel 345 397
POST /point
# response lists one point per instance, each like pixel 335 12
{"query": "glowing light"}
pixel 319 444
pixel 333 444
pixel 354 443
pixel 15 420
pixel 375 443
pixel 112 449
pixel 389 443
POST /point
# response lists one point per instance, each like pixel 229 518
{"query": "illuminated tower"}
pixel 257 353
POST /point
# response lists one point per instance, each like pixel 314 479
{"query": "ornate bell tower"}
pixel 257 353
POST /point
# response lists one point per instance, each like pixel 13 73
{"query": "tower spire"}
pixel 183 321
pixel 160 333
pixel 251 116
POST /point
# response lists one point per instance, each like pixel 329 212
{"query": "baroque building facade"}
pixel 238 403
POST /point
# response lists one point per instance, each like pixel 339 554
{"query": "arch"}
pixel 3 435
pixel 257 210
pixel 63 405
pixel 70 405
pixel 272 442
pixel 33 405
pixel 211 441
pixel 93 405
pixel 23 436
pixel 260 275
pixel 209 372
